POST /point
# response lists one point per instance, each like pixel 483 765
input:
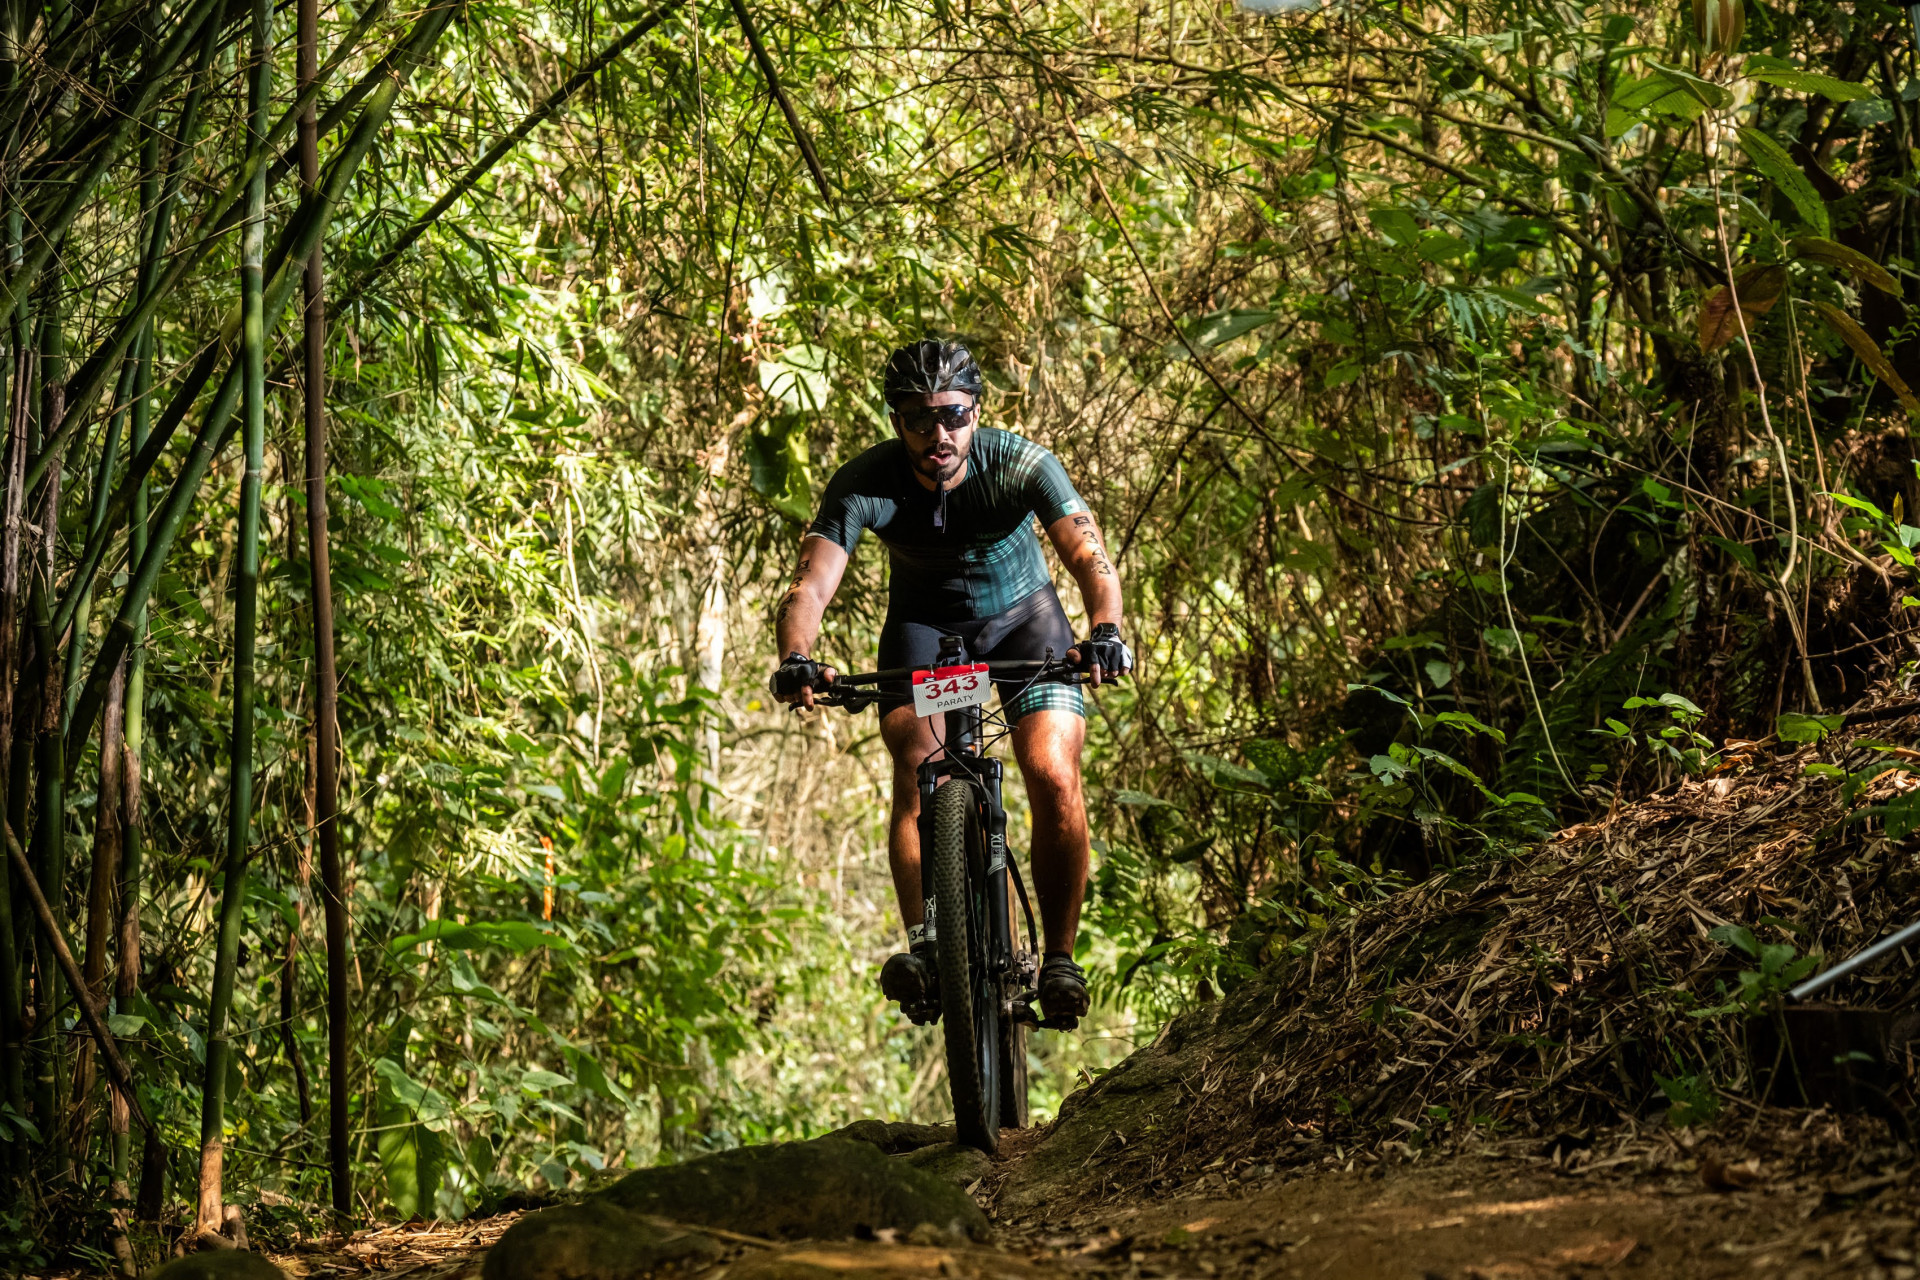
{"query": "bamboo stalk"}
pixel 90 380
pixel 13 938
pixel 50 228
pixel 81 589
pixel 218 425
pixel 133 830
pixel 245 624
pixel 63 954
pixel 49 798
pixel 326 746
pixel 126 976
pixel 800 137
pixel 102 884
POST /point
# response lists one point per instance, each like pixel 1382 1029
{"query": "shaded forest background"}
pixel 1498 411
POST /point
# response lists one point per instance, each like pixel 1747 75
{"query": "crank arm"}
pixel 1023 1011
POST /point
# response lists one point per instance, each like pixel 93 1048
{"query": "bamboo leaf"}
pixel 1850 260
pixel 1869 352
pixel 1771 159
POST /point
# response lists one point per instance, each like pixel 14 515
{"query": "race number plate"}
pixel 950 688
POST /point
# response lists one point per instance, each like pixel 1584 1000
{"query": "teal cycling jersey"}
pixel 968 553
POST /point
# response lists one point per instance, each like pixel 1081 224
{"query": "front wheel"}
pixel 969 1011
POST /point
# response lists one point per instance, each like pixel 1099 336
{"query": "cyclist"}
pixel 954 503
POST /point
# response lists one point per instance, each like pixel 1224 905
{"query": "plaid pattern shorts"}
pixel 1025 631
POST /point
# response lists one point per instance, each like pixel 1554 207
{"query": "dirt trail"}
pixel 1505 1212
pixel 1478 1217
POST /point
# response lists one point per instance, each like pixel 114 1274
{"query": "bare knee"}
pixel 909 744
pixel 1048 745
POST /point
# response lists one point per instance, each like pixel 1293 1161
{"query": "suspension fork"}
pixel 961 757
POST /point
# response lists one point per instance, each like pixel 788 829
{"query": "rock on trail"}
pixel 832 1188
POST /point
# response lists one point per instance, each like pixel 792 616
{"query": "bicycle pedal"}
pixel 1024 1012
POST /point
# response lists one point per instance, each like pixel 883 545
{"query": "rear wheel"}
pixel 969 1008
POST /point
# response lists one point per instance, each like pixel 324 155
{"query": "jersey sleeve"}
pixel 1049 491
pixel 842 515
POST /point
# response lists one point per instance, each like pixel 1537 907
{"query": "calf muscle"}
pixel 1047 744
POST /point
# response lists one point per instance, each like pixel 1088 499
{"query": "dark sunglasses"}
pixel 954 417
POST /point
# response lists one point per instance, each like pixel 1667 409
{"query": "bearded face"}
pixel 937 429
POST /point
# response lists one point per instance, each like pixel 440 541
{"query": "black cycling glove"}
pixel 798 672
pixel 1105 649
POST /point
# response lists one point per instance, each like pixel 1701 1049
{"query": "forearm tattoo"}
pixel 1091 537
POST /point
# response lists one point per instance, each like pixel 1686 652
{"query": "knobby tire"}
pixel 971 1023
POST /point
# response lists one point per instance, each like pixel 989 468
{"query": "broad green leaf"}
pixel 1224 326
pixel 1737 936
pixel 1740 551
pixel 1795 726
pixel 1463 720
pixel 514 935
pixel 1812 82
pixel 1901 814
pixel 412 1163
pixel 1713 96
pixel 1397 225
pixel 1772 160
pixel 1858 504
pixel 1850 260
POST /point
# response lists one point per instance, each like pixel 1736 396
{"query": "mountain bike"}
pixel 986 976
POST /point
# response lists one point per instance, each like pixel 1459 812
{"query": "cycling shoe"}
pixel 1063 989
pixel 912 979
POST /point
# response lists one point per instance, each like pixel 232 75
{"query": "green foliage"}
pixel 1760 990
pixel 1448 505
pixel 1692 1099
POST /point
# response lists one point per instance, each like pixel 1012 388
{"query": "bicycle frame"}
pixel 962 756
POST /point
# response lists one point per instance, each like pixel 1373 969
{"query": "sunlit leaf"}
pixel 1772 160
pixel 1848 259
pixel 1811 82
pixel 1869 352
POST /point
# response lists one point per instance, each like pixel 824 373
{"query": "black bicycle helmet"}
pixel 930 365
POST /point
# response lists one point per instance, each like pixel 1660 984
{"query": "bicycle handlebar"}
pixel 862 690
